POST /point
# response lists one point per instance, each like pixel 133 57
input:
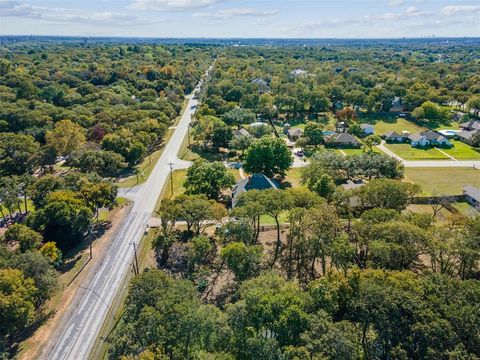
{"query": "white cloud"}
pixel 171 5
pixel 396 3
pixel 14 8
pixel 237 12
pixel 460 9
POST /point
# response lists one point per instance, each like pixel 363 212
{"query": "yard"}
pixel 443 181
pixel 389 122
pixel 294 177
pixel 465 209
pixel 407 152
pixel 462 151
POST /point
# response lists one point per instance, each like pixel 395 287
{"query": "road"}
pixel 81 325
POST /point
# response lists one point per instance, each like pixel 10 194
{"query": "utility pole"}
pixel 171 176
pixel 136 259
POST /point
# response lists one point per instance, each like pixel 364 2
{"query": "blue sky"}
pixel 238 18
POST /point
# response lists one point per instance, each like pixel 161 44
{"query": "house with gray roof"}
pixel 472 195
pixel 342 140
pixel 261 85
pixel 368 129
pixel 471 137
pixel 294 134
pixel 471 125
pixel 252 182
pixel 239 133
pixel 393 136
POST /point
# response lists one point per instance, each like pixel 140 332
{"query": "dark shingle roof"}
pixel 472 191
pixel 342 138
pixel 253 182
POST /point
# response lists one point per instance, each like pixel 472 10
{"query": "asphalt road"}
pixel 80 326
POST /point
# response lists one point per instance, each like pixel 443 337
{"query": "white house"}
pixel 368 129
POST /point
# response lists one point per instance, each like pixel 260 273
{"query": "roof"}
pixel 471 125
pixel 366 126
pixel 241 133
pixel 343 138
pixel 393 134
pixel 295 132
pixel 415 137
pixel 253 182
pixel 472 191
pixel 467 134
pixel 432 135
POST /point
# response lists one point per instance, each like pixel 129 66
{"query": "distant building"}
pixel 342 140
pixel 368 129
pixel 428 138
pixel 393 136
pixel 261 85
pixel 298 72
pixel 397 105
pixel 472 195
pixel 470 125
pixel 242 132
pixel 471 138
pixel 294 134
pixel 253 182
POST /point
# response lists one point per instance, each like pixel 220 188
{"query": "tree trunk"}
pixel 26 203
pixel 278 243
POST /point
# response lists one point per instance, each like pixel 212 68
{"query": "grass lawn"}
pixel 389 122
pixel 30 206
pixel 466 209
pixel 179 177
pixel 443 181
pixel 268 220
pixel 442 216
pixel 462 151
pixel 407 152
pixel 294 177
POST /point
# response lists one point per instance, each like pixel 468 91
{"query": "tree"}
pixel 238 117
pixel 17 154
pixel 40 189
pixel 221 134
pixel 314 133
pixel 347 115
pixel 66 137
pixel 388 194
pixel 473 104
pixel 208 178
pixel 269 156
pixel 431 112
pixel 16 301
pixel 98 195
pixel 370 141
pixel 104 163
pixel 27 238
pixel 244 261
pixel 51 252
pixel 64 219
pixel 241 143
pixel 324 186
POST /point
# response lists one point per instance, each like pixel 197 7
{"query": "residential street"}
pixel 81 325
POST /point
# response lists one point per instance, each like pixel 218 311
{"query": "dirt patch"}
pixel 60 303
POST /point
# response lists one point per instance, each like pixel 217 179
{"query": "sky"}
pixel 242 18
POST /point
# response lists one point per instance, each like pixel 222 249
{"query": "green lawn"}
pixel 294 177
pixel 30 206
pixel 462 151
pixel 389 122
pixel 268 220
pixel 466 209
pixel 443 181
pixel 407 152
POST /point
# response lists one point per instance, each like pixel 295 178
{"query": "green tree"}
pixel 269 156
pixel 314 133
pixel 243 260
pixel 370 141
pixel 17 154
pixel 27 238
pixel 208 178
pixel 66 137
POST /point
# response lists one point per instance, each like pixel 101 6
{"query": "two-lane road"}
pixel 81 325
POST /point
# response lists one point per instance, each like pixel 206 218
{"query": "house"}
pixel 368 129
pixel 436 139
pixel 470 125
pixel 298 72
pixel 393 136
pixel 418 140
pixel 397 105
pixel 294 134
pixel 261 85
pixel 353 184
pixel 253 182
pixel 472 195
pixel 471 138
pixel 428 138
pixel 342 140
pixel 240 133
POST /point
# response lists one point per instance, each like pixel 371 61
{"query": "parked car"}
pixel 300 153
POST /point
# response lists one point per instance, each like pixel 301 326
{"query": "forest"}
pixel 337 273
pixel 75 119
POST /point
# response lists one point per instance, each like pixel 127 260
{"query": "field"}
pixel 407 152
pixel 389 122
pixel 443 181
pixel 462 151
pixel 294 177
